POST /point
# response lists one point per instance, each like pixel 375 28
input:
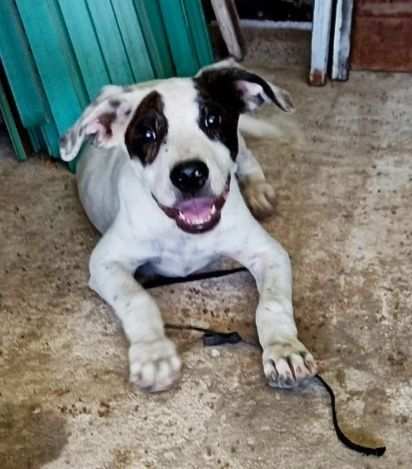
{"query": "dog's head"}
pixel 181 136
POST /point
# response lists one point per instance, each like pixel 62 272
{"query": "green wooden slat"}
pixel 150 19
pixel 111 42
pixel 85 45
pixel 178 33
pixel 26 86
pixel 11 126
pixel 133 40
pixel 58 78
pixel 19 66
pixel 51 137
pixel 36 138
pixel 69 49
pixel 199 32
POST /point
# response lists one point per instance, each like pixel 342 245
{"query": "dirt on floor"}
pixel 343 213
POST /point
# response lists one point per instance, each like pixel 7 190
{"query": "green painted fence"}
pixel 57 54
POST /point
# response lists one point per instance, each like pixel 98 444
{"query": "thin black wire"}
pixel 378 451
pixel 215 338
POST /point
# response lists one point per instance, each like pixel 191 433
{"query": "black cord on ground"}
pixel 215 338
pixel 379 451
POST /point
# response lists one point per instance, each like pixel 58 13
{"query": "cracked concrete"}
pixel 343 205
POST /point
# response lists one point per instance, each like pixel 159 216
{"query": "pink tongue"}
pixel 196 209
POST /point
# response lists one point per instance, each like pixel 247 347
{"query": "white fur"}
pixel 117 194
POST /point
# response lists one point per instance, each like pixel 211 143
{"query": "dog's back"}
pixel 98 173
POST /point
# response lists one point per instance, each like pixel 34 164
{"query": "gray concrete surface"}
pixel 343 212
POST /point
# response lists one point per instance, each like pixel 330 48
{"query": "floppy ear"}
pixel 241 89
pixel 104 118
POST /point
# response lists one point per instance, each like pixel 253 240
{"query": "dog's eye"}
pixel 149 136
pixel 212 119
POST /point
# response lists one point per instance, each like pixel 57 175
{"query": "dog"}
pixel 159 176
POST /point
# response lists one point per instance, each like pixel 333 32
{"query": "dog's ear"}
pixel 105 119
pixel 240 89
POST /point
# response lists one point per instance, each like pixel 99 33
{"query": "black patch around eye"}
pixel 223 125
pixel 147 129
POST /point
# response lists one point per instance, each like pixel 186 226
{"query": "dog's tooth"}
pixel 183 217
pixel 213 209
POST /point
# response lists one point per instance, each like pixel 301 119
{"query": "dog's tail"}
pixel 271 128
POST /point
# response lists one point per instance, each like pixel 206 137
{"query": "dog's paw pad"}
pixel 287 364
pixel 154 366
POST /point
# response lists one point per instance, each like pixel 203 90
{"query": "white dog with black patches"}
pixel 160 180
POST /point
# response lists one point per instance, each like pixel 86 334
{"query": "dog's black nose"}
pixel 190 176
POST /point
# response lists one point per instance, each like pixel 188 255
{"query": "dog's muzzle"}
pixel 197 214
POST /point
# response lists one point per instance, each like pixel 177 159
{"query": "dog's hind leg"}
pixel 153 362
pixel 258 193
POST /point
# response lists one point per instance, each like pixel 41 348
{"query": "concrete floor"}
pixel 343 212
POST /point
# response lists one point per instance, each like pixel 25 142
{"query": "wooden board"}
pixel 382 35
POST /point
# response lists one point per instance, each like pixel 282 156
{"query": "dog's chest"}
pixel 181 257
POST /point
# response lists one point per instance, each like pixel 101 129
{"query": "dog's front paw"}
pixel 259 195
pixel 154 365
pixel 287 363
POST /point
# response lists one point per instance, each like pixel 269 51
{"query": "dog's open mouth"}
pixel 197 214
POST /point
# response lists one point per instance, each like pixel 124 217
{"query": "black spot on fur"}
pixel 148 119
pixel 223 83
pixel 115 103
pixel 219 91
pixel 218 95
pixel 226 130
pixel 73 139
pixel 107 119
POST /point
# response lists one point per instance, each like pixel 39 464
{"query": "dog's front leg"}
pixel 153 362
pixel 286 361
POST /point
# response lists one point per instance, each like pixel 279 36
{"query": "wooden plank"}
pixel 150 19
pixel 111 42
pixel 133 40
pixel 199 31
pixel 321 30
pixel 59 79
pixel 384 8
pixel 85 45
pixel 342 40
pixel 382 43
pixel 228 21
pixel 180 41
